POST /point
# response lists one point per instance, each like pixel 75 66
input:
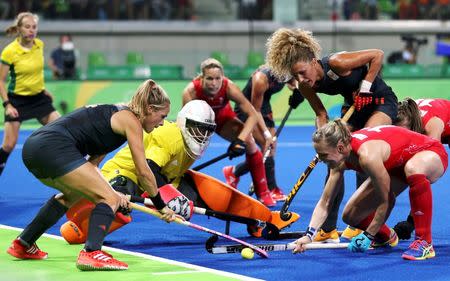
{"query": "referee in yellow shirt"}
pixel 26 97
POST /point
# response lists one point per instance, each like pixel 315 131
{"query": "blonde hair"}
pixel 148 94
pixel 332 133
pixel 409 112
pixel 285 47
pixel 13 29
pixel 208 64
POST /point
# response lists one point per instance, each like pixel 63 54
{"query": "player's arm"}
pixel 342 63
pixel 235 94
pixel 161 179
pixel 260 84
pixel 9 108
pixel 434 128
pixel 188 93
pixel 315 103
pixel 323 207
pixel 372 155
pixel 125 122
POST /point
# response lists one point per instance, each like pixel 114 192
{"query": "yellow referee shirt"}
pixel 164 146
pixel 26 67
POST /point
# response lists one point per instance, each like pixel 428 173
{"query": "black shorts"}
pixel 51 155
pixel 360 118
pixel 30 107
pixel 266 112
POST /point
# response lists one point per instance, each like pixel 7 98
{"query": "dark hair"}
pixel 409 113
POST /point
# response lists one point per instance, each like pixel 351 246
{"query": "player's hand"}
pixel 300 244
pixel 124 203
pixel 168 215
pixel 362 99
pixel 11 111
pixel 361 242
pixel 295 99
pixel 236 148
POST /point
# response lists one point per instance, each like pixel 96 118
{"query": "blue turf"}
pixel 21 195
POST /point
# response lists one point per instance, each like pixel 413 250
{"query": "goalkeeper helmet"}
pixel 196 121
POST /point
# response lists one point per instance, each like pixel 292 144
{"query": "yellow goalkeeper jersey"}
pixel 164 146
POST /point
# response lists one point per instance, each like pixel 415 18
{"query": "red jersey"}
pixel 439 108
pixel 218 101
pixel 403 142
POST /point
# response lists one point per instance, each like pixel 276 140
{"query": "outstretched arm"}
pixel 322 208
pixel 344 62
pixel 125 123
pixel 188 93
pixel 315 103
pixel 235 94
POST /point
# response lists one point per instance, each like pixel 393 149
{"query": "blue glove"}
pixel 361 242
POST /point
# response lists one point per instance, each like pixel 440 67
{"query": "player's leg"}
pixel 421 170
pixel 10 136
pixel 254 158
pixel 360 209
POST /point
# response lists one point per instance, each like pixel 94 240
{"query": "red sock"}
pixel 421 200
pixel 382 235
pixel 258 172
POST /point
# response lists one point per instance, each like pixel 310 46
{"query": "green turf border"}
pixel 60 264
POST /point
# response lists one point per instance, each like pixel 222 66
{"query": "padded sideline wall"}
pixel 187 43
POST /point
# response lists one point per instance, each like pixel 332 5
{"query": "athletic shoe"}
pixel 230 177
pixel 266 199
pixel 419 250
pixel 392 241
pixel 350 232
pixel 22 252
pixel 327 237
pixel 98 260
pixel 278 195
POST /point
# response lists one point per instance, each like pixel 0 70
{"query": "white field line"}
pixel 195 268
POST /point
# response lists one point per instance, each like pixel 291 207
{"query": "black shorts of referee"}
pixel 29 107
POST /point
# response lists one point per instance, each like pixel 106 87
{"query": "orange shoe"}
pixel 278 195
pixel 266 198
pixel 98 260
pixel 230 177
pixel 22 252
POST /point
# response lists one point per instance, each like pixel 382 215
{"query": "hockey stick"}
pixel 278 132
pixel 210 162
pixel 293 235
pixel 270 231
pixel 284 214
pixel 228 249
pixel 178 220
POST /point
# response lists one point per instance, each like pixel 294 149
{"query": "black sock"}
pixel 270 173
pixel 99 222
pixel 3 158
pixel 241 169
pixel 48 215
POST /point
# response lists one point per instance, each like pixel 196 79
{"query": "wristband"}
pixel 158 202
pixel 5 103
pixel 267 134
pixel 370 236
pixel 365 86
pixel 310 232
